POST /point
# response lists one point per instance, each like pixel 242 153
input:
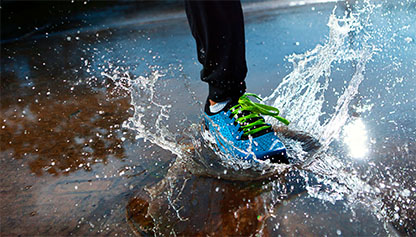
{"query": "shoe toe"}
pixel 275 151
pixel 276 156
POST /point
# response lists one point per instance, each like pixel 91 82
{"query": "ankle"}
pixel 211 102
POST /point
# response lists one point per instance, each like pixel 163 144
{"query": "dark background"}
pixel 21 19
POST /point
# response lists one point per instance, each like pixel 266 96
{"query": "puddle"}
pixel 100 134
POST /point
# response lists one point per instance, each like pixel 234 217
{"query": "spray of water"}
pixel 147 120
pixel 301 95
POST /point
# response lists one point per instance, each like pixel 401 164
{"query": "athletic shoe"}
pixel 241 132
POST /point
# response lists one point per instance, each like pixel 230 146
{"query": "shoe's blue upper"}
pixel 228 136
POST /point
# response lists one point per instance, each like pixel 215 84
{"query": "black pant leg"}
pixel 218 28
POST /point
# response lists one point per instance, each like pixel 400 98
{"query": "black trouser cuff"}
pixel 219 94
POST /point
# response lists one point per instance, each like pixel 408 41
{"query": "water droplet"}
pixel 406 192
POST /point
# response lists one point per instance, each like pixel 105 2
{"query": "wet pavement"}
pixel 73 164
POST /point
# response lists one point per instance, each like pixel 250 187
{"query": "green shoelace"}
pixel 255 111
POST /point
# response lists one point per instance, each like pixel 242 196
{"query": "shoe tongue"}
pixel 230 104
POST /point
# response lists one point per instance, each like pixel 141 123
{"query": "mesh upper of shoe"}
pixel 223 127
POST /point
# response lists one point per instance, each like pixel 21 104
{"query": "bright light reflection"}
pixel 355 136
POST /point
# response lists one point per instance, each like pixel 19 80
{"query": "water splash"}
pixel 143 121
pixel 301 97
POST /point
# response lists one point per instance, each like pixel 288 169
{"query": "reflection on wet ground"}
pixel 275 206
pixel 52 131
pixel 62 133
pixel 69 166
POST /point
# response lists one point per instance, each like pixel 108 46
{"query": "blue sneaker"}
pixel 241 132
